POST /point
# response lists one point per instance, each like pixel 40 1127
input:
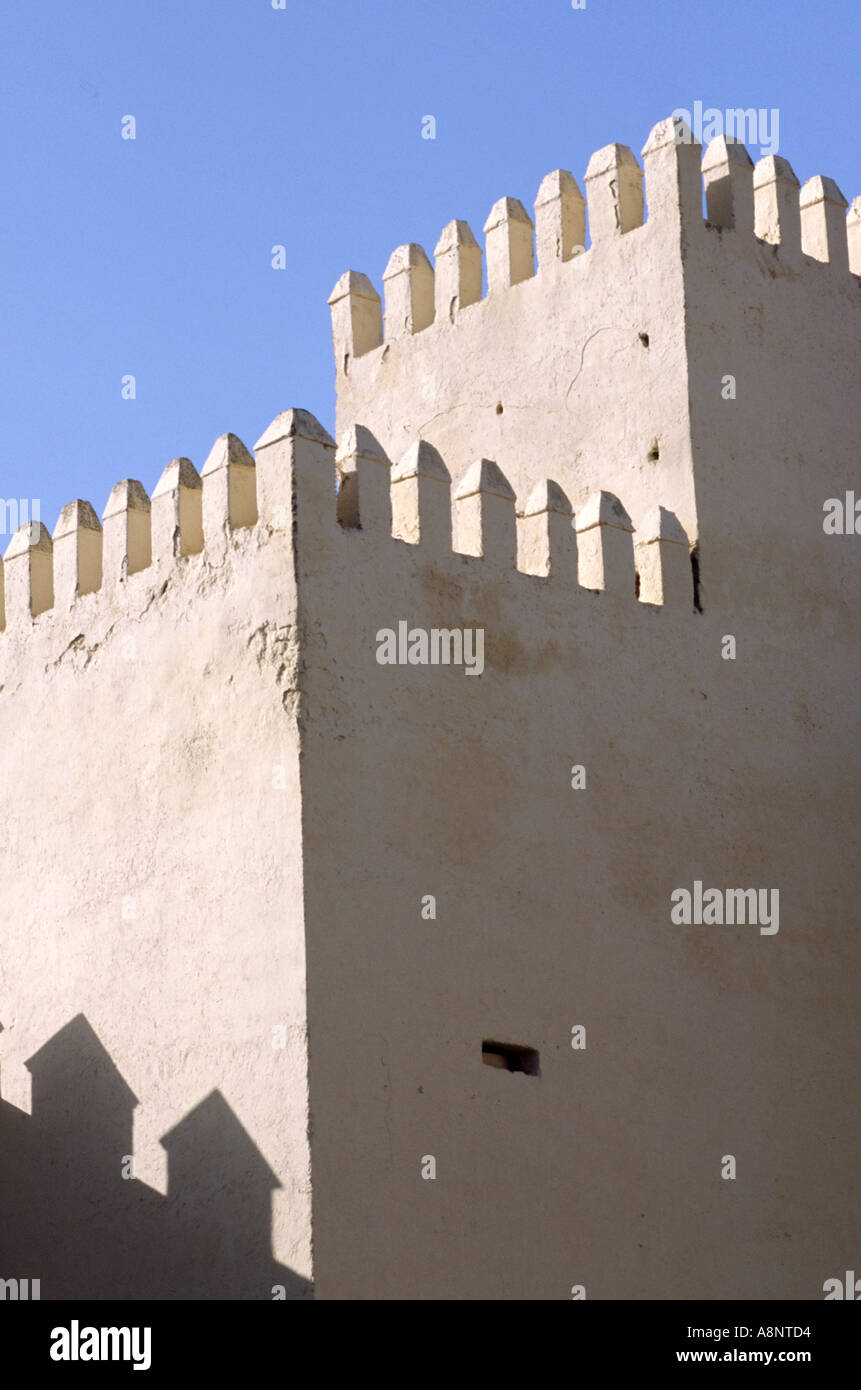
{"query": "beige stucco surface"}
pixel 215 738
pixel 553 904
pixel 559 353
pixel 153 883
pixel 553 909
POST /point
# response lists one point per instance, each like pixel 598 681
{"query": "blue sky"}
pixel 301 127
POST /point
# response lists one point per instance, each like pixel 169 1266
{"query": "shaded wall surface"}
pixel 153 872
pixel 73 1216
pixel 735 769
pixel 553 910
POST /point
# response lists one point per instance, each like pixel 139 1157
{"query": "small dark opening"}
pixel 654 453
pixel 636 583
pixel 644 339
pixel 695 567
pixel 499 408
pixel 347 500
pixel 510 1057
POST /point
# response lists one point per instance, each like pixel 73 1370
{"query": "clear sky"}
pixel 302 127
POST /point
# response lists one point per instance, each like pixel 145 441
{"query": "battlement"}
pixel 277 849
pixel 574 376
pixel 302 486
pixel 579 349
pixel 763 202
pixel 595 549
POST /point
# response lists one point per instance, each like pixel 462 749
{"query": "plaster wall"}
pixel 152 881
pixel 553 904
pixel 549 376
pixel 552 910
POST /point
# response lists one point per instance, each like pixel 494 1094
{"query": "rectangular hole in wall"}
pixel 510 1057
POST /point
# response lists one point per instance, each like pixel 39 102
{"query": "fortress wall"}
pixel 553 909
pixel 783 317
pixel 211 777
pixel 151 855
pixel 556 344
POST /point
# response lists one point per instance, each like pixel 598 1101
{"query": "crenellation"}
pixel 299 478
pixel 29 574
pixel 295 470
pixel 409 284
pixel 127 532
pixel 776 205
pixel 229 489
pixel 177 512
pixel 823 222
pixel 421 499
pixel 663 559
pixel 738 196
pixel 673 176
pixel 605 545
pixel 77 553
pixel 296 466
pixel 357 317
pixel 364 483
pixel 484 509
pixel 614 192
pixel 457 278
pixel 728 177
pixel 509 249
pixel 546 539
pixel 553 362
pixel 560 218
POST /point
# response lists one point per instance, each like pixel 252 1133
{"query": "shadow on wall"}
pixel 70 1219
